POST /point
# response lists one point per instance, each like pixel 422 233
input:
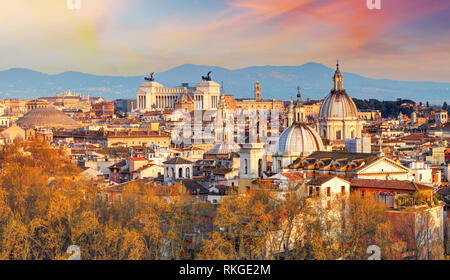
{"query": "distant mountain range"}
pixel 277 82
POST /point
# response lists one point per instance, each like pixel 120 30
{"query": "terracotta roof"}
pixel 194 187
pixel 143 168
pixel 178 160
pixel 320 180
pixel 119 164
pixel 389 184
pixel 136 133
pixel 221 171
pixel 139 159
pixel 293 175
pixel 418 136
pixel 342 155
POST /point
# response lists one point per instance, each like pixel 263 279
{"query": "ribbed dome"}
pixel 338 105
pixel 45 117
pixel 224 149
pixel 299 139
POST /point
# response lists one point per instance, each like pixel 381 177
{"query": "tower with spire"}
pixel 338 79
pixel 299 110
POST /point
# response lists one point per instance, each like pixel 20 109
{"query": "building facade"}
pixel 153 96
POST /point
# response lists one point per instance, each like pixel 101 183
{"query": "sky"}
pixel 405 40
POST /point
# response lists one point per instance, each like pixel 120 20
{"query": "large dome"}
pixel 338 105
pixel 299 139
pixel 45 117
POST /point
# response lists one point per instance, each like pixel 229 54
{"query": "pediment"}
pixel 382 165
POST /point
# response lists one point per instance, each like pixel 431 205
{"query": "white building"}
pixel 441 117
pixel 326 189
pixel 4 122
pixel 421 173
pixel 360 145
pixel 251 161
pixel 154 96
pixel 178 169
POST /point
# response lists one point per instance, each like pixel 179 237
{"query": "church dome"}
pixel 45 117
pixel 338 105
pixel 299 139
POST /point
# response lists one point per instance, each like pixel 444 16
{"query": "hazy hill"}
pixel 277 82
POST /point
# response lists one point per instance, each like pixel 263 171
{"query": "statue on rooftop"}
pixel 150 78
pixel 207 78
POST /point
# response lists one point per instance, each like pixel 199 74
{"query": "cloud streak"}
pixel 132 36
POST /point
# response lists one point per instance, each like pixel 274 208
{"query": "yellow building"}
pixel 138 138
pixel 258 103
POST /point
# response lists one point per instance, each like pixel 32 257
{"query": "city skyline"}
pixel 405 40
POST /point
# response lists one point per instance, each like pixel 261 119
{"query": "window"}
pixel 311 191
pixel 338 135
pixel 328 205
pixel 245 166
pixel 328 191
pixel 343 189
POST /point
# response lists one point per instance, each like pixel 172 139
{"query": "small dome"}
pixel 46 117
pixel 299 139
pixel 224 149
pixel 338 105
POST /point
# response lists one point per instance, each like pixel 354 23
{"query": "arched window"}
pixel 180 173
pixel 188 172
pixel 338 135
pixel 245 166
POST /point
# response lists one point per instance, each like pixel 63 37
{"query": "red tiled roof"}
pixel 320 180
pixel 418 136
pixel 389 184
pixel 293 175
pixel 139 159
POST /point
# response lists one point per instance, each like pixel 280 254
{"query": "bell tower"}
pixel 299 110
pixel 290 120
pixel 258 91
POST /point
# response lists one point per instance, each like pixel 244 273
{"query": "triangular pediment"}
pixel 382 165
